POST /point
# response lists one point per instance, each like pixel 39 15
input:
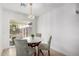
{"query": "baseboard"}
pixel 59 51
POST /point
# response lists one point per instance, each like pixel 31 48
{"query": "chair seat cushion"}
pixel 43 46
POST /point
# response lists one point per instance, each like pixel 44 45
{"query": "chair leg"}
pixel 34 53
pixel 48 52
pixel 38 52
pixel 41 52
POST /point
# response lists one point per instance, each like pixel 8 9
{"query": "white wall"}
pixel 63 24
pixel 0 30
pixel 43 26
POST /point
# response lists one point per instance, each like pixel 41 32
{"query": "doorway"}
pixel 19 30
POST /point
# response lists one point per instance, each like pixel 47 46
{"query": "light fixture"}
pixel 30 12
pixel 23 4
pixel 77 12
pixel 30 16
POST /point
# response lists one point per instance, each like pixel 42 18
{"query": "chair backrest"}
pixel 49 42
pixel 22 48
pixel 38 35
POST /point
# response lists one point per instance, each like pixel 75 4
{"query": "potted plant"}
pixel 32 35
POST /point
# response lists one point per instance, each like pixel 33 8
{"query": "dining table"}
pixel 34 44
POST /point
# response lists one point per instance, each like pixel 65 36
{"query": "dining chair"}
pixel 22 48
pixel 38 35
pixel 44 46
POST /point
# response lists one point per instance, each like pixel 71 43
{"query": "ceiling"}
pixel 37 8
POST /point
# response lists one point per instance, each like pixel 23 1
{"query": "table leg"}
pixel 34 51
pixel 37 50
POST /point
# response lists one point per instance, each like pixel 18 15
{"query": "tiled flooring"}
pixel 12 52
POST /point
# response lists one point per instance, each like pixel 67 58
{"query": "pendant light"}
pixel 30 12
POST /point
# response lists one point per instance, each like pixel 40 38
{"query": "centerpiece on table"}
pixel 32 35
